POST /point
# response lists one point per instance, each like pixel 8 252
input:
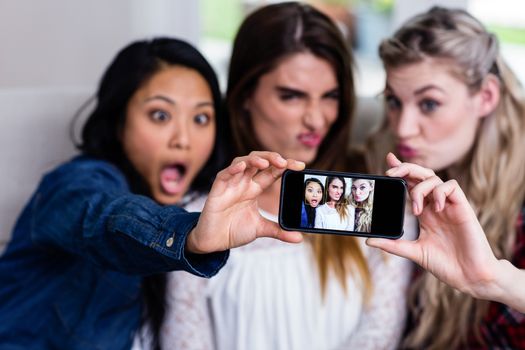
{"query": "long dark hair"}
pixel 133 66
pixel 310 212
pixel 266 38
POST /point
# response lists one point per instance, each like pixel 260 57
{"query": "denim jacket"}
pixel 71 276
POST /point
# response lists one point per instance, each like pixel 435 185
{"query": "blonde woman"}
pixel 362 199
pixel 454 106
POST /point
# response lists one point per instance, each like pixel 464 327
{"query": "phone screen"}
pixel 342 203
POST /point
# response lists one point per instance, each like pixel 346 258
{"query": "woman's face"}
pixel 361 189
pixel 294 106
pixel 335 190
pixel 313 194
pixel 432 113
pixel 169 131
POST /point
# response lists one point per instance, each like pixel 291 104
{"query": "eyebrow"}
pixel 160 97
pixel 284 89
pixel 172 102
pixel 289 90
pixel 426 88
pixel 419 91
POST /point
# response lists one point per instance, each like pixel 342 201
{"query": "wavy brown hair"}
pixel 341 206
pixel 492 175
pixel 265 38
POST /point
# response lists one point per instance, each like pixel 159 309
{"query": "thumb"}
pixel 401 247
pixel 268 228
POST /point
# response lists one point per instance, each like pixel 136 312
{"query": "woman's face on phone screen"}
pixel 335 190
pixel 169 131
pixel 313 194
pixel 361 189
pixel 294 105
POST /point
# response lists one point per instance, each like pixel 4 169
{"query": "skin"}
pixel 361 189
pixel 292 109
pixel 335 190
pixel 451 243
pixel 299 98
pixel 433 114
pixel 169 131
pixel 313 194
pixel 170 120
pixel 230 217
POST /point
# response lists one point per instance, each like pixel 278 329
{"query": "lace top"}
pixel 268 297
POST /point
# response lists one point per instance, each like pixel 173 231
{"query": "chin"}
pixel 165 199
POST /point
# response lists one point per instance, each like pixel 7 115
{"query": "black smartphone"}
pixel 342 203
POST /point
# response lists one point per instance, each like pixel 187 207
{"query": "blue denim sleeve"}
pixel 86 208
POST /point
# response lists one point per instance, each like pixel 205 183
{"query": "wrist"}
pixel 192 246
pixel 500 283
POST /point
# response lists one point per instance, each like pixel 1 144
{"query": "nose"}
pixel 405 123
pixel 314 118
pixel 180 136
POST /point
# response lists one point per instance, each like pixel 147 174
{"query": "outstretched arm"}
pixel 452 244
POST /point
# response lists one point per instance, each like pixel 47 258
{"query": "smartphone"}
pixel 342 203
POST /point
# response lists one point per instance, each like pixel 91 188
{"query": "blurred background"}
pixel 57 43
pixel 54 51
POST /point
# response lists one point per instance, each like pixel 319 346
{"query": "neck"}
pixel 331 204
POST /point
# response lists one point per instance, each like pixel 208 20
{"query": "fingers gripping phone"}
pixel 342 203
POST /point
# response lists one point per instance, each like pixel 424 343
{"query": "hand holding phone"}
pixel 342 203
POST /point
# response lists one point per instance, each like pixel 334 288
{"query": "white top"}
pixel 326 217
pixel 268 297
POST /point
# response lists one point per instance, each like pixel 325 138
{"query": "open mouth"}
pixel 314 202
pixel 172 178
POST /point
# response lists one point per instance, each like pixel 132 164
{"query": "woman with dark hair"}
pixel 313 195
pixel 290 90
pixel 336 213
pixel 72 276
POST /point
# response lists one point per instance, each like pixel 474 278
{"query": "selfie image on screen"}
pixel 337 203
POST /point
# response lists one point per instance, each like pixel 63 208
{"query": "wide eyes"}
pixel 160 115
pixel 201 119
pixel 428 105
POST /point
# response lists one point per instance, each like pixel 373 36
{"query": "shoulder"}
pixel 86 170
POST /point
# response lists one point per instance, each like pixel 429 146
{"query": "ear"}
pixel 489 95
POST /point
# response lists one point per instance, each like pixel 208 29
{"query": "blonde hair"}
pixel 364 221
pixel 492 175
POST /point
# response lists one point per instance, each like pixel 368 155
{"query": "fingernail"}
pixel 414 207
